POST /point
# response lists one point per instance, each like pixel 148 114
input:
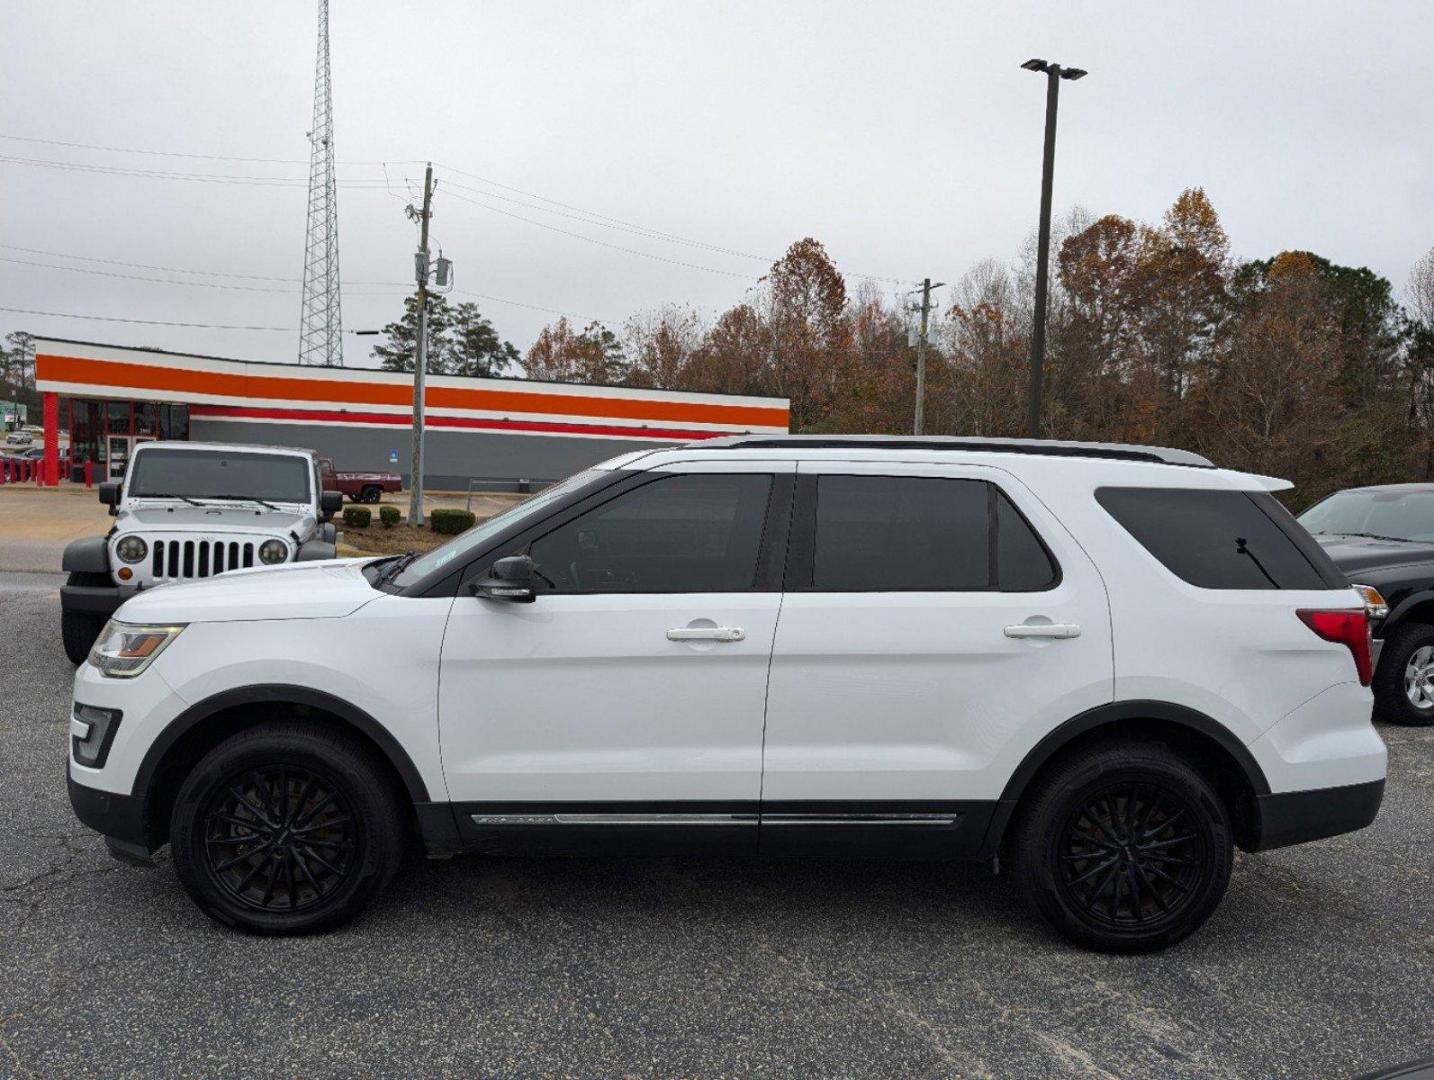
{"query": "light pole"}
pixel 1054 74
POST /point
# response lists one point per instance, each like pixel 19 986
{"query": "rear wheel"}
pixel 1124 849
pixel 284 829
pixel 79 629
pixel 1404 683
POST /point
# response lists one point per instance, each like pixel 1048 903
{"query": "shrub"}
pixel 451 522
pixel 389 515
pixel 357 516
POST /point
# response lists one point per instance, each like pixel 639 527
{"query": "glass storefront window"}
pixel 174 421
pixel 117 417
pixel 146 418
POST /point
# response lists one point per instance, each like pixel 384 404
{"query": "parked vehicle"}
pixel 1107 665
pixel 18 437
pixel 190 510
pixel 1383 539
pixel 364 487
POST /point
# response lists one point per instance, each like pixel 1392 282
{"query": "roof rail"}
pixel 959 443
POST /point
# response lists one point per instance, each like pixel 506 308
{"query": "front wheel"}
pixel 1124 849
pixel 286 829
pixel 370 494
pixel 1404 683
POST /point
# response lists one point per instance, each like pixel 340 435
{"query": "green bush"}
pixel 357 516
pixel 389 515
pixel 451 522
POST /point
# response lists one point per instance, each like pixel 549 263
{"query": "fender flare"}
pixel 313 550
pixel 89 555
pixel 1181 715
pixel 279 694
pixel 1396 616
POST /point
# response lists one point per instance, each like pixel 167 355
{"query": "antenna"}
pixel 320 322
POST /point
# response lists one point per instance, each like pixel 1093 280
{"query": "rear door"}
pixel 938 620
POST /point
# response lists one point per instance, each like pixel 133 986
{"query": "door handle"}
pixel 1043 630
pixel 706 633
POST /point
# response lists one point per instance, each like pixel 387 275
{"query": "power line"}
pixel 160 174
pixel 172 281
pixel 147 322
pixel 170 269
pixel 179 154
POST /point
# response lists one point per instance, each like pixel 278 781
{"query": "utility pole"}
pixel 918 427
pixel 420 357
pixel 1054 74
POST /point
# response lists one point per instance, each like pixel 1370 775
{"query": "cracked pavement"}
pixel 1319 962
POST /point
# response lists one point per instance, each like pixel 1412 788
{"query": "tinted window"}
pixel 1215 539
pixel 214 474
pixel 1022 563
pixel 697 533
pixel 901 532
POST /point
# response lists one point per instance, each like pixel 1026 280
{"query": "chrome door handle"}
pixel 1043 630
pixel 706 633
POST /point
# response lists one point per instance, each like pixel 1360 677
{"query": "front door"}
pixel 625 704
pixel 117 456
pixel 938 621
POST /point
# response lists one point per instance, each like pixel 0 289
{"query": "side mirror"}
pixel 331 502
pixel 509 579
pixel 110 495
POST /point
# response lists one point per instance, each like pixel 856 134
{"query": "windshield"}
pixel 1396 515
pixel 474 538
pixel 218 474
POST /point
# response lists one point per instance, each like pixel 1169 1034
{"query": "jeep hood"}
pixel 198 519
pixel 329 589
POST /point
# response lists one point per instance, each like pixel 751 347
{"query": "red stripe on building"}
pixel 238 412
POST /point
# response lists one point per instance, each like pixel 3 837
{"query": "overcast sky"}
pixel 903 136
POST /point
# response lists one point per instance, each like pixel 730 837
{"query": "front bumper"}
pixel 95 599
pixel 1296 817
pixel 119 818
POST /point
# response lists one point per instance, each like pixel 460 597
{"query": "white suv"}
pixel 1105 665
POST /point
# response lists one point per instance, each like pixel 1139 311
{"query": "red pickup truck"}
pixel 365 487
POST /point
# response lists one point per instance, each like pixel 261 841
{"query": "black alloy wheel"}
pixel 279 839
pixel 1131 856
pixel 287 828
pixel 1123 847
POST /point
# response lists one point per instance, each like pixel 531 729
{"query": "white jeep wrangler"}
pixel 188 510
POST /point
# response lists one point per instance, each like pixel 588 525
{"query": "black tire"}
pixel 1392 702
pixel 286 829
pixel 370 494
pixel 79 629
pixel 1102 851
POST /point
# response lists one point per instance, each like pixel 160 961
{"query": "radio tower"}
pixel 320 324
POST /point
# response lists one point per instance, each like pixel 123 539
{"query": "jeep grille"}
pixel 180 559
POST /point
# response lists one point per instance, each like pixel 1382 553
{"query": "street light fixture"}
pixel 1054 74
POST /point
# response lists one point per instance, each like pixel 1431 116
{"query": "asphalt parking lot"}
pixel 1319 963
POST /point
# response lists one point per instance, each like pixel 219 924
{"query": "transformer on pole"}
pixel 320 322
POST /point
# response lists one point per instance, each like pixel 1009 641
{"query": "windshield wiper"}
pixel 171 495
pixel 394 567
pixel 1377 536
pixel 247 498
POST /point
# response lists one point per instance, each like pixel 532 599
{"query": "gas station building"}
pixel 112 397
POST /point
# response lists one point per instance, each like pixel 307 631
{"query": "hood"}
pixel 245 518
pixel 328 589
pixel 1358 553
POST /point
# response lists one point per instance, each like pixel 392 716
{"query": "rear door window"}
pixel 1222 539
pixel 923 533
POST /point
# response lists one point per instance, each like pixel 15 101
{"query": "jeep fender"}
pixel 88 556
pixel 314 550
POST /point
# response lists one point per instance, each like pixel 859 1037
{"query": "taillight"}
pixel 1349 628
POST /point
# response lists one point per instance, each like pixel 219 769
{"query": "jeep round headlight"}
pixel 273 551
pixel 131 549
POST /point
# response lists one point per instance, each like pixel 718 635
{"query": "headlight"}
pixel 1375 606
pixel 273 551
pixel 131 549
pixel 123 650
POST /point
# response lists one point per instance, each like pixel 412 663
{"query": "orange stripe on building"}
pixel 120 375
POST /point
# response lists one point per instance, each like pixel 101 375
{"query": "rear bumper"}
pixel 1296 817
